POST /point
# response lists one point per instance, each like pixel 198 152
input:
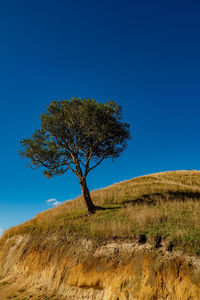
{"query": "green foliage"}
pixel 78 135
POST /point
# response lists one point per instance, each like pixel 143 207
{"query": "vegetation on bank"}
pixel 161 206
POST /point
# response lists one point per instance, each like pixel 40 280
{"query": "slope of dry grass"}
pixel 163 205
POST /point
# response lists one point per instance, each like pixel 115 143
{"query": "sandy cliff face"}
pixel 117 270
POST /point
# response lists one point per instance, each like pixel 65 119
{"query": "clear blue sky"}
pixel 145 55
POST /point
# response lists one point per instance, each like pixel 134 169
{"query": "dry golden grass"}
pixel 165 204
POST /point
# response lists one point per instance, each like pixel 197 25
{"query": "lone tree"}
pixel 76 135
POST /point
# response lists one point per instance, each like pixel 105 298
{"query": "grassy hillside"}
pixel 158 207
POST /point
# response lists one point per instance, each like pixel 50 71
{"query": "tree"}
pixel 76 135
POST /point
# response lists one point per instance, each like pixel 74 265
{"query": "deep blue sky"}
pixel 145 55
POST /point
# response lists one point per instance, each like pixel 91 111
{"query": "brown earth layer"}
pixel 117 270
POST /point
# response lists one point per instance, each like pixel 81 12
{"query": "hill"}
pixel 163 204
pixel 143 245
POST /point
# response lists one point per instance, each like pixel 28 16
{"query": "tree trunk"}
pixel 86 196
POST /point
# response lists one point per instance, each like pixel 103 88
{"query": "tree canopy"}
pixel 76 135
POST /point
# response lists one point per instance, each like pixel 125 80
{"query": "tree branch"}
pixel 48 166
pixel 90 169
pixel 68 164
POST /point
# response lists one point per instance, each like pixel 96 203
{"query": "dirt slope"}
pixel 57 255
